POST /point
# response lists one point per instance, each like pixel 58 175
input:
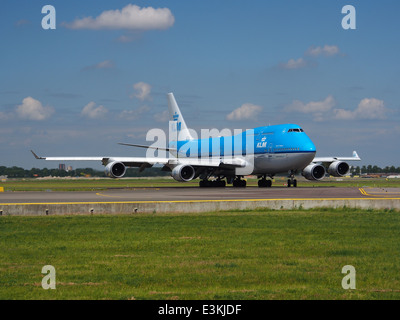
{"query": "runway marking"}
pixel 191 201
pixel 378 194
pixel 104 195
pixel 363 192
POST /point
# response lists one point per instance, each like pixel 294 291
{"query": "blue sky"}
pixel 99 79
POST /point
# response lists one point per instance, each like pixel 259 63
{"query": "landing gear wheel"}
pixel 210 184
pixel 220 183
pixel 239 183
pixel 292 181
pixel 264 183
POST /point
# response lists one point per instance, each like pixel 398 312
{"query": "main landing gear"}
pixel 264 183
pixel 292 181
pixel 239 183
pixel 220 183
pixel 212 183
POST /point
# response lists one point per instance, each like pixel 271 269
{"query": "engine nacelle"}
pixel 314 172
pixel 115 169
pixel 183 173
pixel 338 169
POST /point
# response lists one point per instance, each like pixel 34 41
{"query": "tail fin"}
pixel 176 120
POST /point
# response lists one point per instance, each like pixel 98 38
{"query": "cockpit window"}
pixel 296 130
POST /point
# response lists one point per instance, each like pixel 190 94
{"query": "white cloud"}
pixel 371 109
pixel 106 64
pixel 92 112
pixel 317 108
pixel 313 52
pixel 312 106
pixel 368 108
pixel 247 111
pixel 131 17
pixel 142 91
pixel 342 114
pixel 33 109
pixel 325 51
pixel 294 64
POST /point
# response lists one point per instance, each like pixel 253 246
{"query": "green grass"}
pixel 224 255
pixel 90 184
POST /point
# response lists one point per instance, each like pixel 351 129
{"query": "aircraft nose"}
pixel 309 146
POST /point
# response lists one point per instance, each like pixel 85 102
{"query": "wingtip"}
pixel 356 156
pixel 36 156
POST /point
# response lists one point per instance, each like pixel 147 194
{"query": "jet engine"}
pixel 183 173
pixel 338 169
pixel 115 169
pixel 314 172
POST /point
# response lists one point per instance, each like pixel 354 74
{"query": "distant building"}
pixel 69 168
pixel 61 166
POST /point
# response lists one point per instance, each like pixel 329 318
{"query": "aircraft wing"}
pixel 355 157
pixel 128 161
pixel 150 161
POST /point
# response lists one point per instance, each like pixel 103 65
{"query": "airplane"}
pixel 263 151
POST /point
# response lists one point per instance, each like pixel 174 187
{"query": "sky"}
pixel 102 75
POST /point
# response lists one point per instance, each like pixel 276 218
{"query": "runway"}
pixel 194 193
pixel 194 199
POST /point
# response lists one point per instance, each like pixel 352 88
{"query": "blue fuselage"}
pixel 274 149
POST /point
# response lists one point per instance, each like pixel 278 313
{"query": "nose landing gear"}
pixel 292 181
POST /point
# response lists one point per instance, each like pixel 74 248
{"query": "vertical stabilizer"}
pixel 177 123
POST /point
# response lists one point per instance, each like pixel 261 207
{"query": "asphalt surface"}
pixel 195 193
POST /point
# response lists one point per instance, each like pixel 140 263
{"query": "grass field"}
pixel 224 255
pixel 88 184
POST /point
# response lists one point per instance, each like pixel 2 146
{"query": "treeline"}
pixel 375 169
pixel 17 172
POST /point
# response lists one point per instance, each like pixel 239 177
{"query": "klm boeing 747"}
pixel 263 151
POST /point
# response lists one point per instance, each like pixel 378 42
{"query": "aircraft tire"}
pixel 211 184
pixel 239 183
